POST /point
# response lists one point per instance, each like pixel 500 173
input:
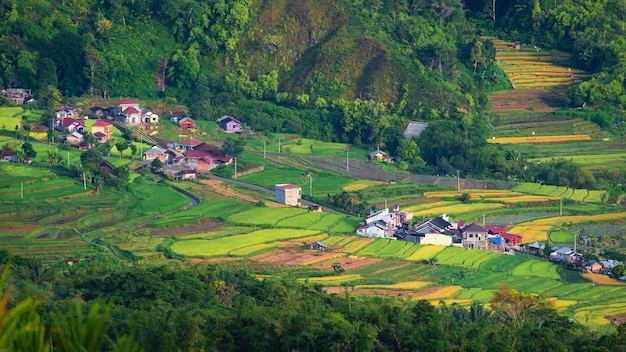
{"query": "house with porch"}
pixel 185 144
pixel 156 152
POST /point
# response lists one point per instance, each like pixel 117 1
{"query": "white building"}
pixel 288 193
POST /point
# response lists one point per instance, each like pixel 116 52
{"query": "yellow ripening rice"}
pixel 540 139
pixel 410 285
pixel 522 199
pixel 359 186
pixel 444 292
pixel 603 279
pixel 537 230
pixel 425 252
pixel 333 280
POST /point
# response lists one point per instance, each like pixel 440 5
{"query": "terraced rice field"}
pixel 425 253
pixel 537 230
pixel 533 68
pixel 539 139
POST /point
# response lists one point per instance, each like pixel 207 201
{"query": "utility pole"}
pixel 235 168
pixel 458 181
pixel 561 206
pixel 22 190
pixel 311 186
pixel 141 144
pixel 264 141
pixel 84 181
pixel 278 145
pixel 575 243
pixel 347 161
pixel 68 159
pixel 483 219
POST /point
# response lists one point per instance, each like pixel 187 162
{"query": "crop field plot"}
pixel 527 187
pixel 333 280
pixel 537 230
pixel 413 207
pixel 357 186
pixel 596 315
pixel 562 237
pixel 440 293
pixel 474 194
pixel 537 268
pixel 410 285
pixel 326 222
pixel 522 199
pixel 265 215
pixel 374 248
pixel 540 139
pixel 425 253
pixel 514 219
pixel 476 294
pixel 346 225
pixel 448 253
pixel 301 221
pixel 458 210
pixel 225 246
pixel 603 279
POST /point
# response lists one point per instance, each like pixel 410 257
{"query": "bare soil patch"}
pixel 204 226
pixel 220 187
pixel 527 100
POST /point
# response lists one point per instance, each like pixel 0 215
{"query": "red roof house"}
pixel 187 123
pixel 511 239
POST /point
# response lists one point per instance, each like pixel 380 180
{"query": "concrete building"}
pixel 288 193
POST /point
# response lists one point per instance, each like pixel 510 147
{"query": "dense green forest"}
pixel 104 307
pixel 334 70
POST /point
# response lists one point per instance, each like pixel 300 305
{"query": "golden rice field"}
pixel 333 280
pixel 603 279
pixel 410 285
pixel 443 292
pixel 360 185
pixel 596 315
pixel 425 252
pixel 537 230
pixel 522 199
pixel 540 139
pixel 458 209
pixel 474 194
pixel 428 205
pixel 559 304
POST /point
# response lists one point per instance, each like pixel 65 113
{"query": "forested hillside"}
pixel 333 70
pixel 103 307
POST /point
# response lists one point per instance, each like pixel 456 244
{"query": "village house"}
pixel 185 144
pixel 475 237
pixel 380 224
pixel 69 125
pixel 106 166
pixel 319 246
pixel 593 266
pixel 512 240
pixel 229 124
pixel 101 130
pixel 378 155
pixel 288 193
pixel 156 152
pixel 563 254
pixel 186 123
pixel 186 175
pixel 437 239
pixel 67 112
pixel 97 113
pixel 205 157
pixel 74 139
pixel 18 96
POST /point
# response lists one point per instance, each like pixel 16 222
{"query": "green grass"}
pixel 562 237
pixel 265 215
pixel 227 246
pixel 536 268
pixel 305 146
